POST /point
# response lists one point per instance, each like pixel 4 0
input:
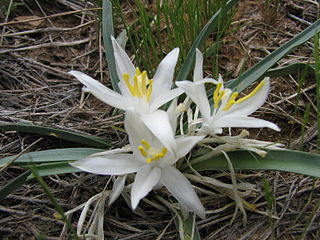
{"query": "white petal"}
pixel 173 114
pixel 123 62
pixel 158 123
pixel 137 131
pixel 185 144
pixel 162 79
pixel 246 122
pixel 198 74
pixel 117 188
pixel 182 190
pixel 197 93
pixel 164 98
pixel 147 177
pixel 110 164
pixel 252 104
pixel 100 91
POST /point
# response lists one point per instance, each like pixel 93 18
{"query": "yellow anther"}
pixel 143 151
pixel 136 86
pixel 231 101
pixel 254 92
pixel 151 154
pixel 146 144
pixel 142 85
pixel 126 79
pixel 217 95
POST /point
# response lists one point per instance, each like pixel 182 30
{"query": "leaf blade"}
pixel 278 160
pixel 58 133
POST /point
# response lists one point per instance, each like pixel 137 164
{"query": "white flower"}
pixel 139 94
pixel 153 163
pixel 227 111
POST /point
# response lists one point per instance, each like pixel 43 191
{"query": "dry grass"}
pixel 34 86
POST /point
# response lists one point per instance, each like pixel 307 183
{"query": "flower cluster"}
pixel 154 146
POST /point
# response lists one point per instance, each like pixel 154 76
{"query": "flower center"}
pixel 151 154
pixel 142 85
pixel 218 94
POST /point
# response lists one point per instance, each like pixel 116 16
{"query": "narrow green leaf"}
pixel 107 31
pixel 54 201
pixel 13 185
pixel 203 35
pixel 188 229
pixel 55 155
pixel 257 71
pixel 55 168
pixel 58 133
pixel 279 160
pixel 290 69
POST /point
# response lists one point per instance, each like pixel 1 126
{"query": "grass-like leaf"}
pixel 290 69
pixel 58 133
pixel 188 229
pixel 258 71
pixel 49 156
pixel 13 184
pixel 279 160
pixel 107 31
pixel 211 25
pixel 55 168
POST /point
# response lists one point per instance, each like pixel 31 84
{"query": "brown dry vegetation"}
pixel 35 57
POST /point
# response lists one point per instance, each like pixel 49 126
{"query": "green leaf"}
pixel 55 155
pixel 211 25
pixel 55 168
pixel 13 185
pixel 107 30
pixel 279 160
pixel 58 133
pixel 258 71
pixel 188 229
pixel 290 69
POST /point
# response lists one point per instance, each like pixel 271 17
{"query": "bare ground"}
pixel 35 86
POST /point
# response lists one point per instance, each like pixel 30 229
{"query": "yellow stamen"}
pixel 143 151
pixel 232 100
pixel 254 92
pixel 145 144
pixel 151 154
pixel 217 95
pixel 142 85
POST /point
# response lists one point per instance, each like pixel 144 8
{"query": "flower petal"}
pixel 117 188
pixel 137 131
pixel 162 79
pixel 110 164
pixel 198 72
pixel 247 122
pixel 173 114
pixel 197 92
pixel 159 125
pixel 164 98
pixel 123 62
pixel 185 144
pixel 253 103
pixel 182 190
pixel 147 177
pixel 100 91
